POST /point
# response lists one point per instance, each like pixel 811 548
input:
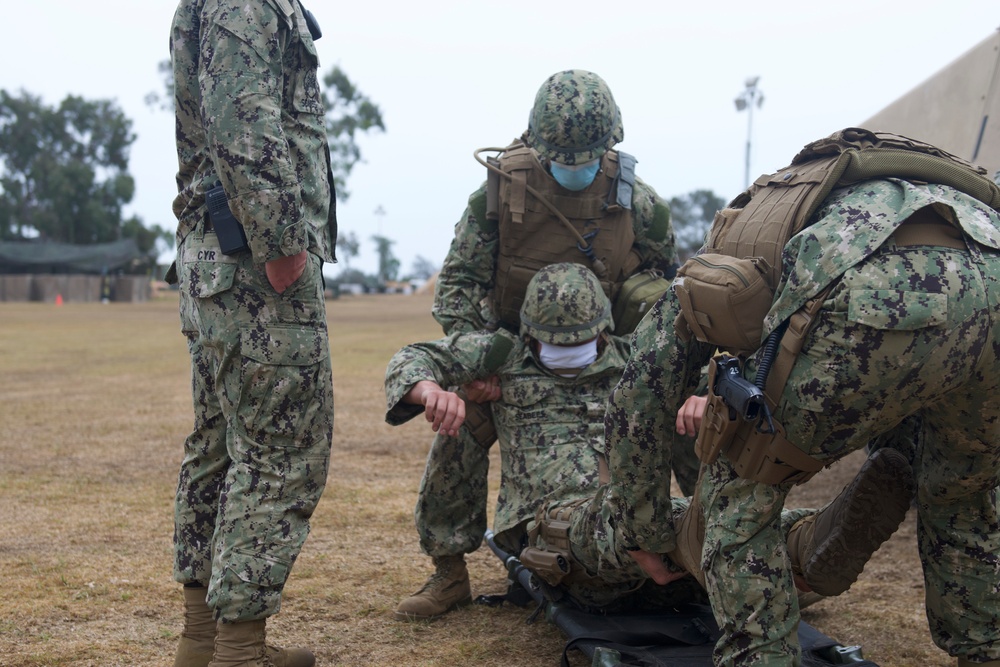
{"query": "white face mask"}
pixel 574 357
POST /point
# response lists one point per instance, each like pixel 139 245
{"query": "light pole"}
pixel 750 96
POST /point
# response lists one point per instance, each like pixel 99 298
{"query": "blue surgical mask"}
pixel 575 177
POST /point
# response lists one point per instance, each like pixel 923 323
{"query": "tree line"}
pixel 64 175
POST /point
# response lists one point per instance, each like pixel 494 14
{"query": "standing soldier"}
pixel 558 194
pixel 250 129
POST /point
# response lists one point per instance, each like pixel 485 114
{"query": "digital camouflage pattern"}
pixel 565 305
pixel 450 514
pixel 551 434
pixel 574 118
pixel 550 428
pixel 256 461
pixel 251 72
pixel 542 455
pixel 905 332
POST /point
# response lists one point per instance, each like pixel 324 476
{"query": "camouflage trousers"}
pixel 451 509
pixel 616 582
pixel 256 461
pixel 907 333
pixel 450 515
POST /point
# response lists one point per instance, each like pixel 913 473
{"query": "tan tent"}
pixel 957 109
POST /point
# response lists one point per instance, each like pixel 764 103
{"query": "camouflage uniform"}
pixel 551 434
pixel 906 331
pixel 451 507
pixel 249 114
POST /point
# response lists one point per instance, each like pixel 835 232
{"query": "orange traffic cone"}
pixel 58 299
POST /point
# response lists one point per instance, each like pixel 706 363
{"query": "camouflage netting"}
pixel 48 257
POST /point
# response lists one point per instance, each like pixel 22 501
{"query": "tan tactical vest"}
pixel 726 290
pixel 531 237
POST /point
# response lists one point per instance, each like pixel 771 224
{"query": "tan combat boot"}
pixel 830 548
pixel 245 645
pixel 197 643
pixel 446 589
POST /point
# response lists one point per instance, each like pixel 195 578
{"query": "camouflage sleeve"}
pixel 242 84
pixel 639 427
pixel 450 361
pixel 467 275
pixel 655 244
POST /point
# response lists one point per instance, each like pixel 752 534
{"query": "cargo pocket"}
pixel 897 310
pixel 250 587
pixel 286 398
pixel 211 278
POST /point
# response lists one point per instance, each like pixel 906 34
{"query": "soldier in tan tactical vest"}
pixel 560 193
pixel 879 312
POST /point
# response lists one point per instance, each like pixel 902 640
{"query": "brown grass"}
pixel 95 406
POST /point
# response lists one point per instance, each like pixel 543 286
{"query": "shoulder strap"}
pixel 792 340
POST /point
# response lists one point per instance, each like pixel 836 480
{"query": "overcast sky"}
pixel 451 77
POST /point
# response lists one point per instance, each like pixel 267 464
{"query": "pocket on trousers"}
pixel 286 396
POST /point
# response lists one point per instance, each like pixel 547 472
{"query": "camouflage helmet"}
pixel 565 305
pixel 574 119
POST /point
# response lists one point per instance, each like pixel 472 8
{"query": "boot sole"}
pixel 412 617
pixel 872 515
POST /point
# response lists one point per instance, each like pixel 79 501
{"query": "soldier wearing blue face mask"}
pixel 575 177
pixel 560 193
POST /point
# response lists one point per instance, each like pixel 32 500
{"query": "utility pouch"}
pixel 760 456
pixel 479 422
pixel 550 566
pixel 229 231
pixel 636 298
pixel 769 458
pixel 493 190
pixel 724 299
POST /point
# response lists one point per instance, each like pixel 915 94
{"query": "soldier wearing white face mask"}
pixel 555 378
pixel 560 193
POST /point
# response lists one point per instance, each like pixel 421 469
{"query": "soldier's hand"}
pixel 652 564
pixel 483 391
pixel 284 271
pixel 690 415
pixel 445 410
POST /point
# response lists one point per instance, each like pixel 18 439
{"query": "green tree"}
pixel 348 112
pixel 348 246
pixel 388 265
pixel 423 268
pixel 692 215
pixel 64 172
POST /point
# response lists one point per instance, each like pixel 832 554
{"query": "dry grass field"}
pixel 94 407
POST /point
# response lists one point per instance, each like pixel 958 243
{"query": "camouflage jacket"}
pixel 550 428
pixel 853 222
pixel 462 295
pixel 850 225
pixel 249 114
